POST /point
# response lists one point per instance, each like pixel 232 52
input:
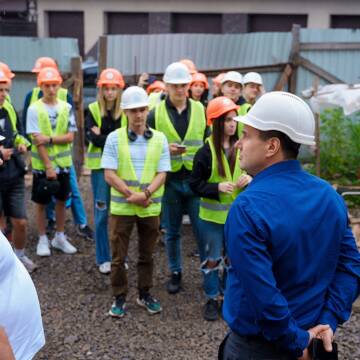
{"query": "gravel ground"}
pixel 75 299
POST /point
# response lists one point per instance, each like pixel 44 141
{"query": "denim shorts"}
pixel 12 199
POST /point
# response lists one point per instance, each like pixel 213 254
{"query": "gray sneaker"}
pixel 29 265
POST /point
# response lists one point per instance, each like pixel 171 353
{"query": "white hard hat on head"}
pixel 253 77
pixel 177 73
pixel 134 97
pixel 233 76
pixel 284 112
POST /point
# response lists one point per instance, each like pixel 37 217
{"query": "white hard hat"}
pixel 177 73
pixel 134 97
pixel 233 76
pixel 284 112
pixel 252 77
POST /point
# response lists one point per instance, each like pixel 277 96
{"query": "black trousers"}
pixel 235 347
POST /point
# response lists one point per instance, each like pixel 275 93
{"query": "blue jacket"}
pixel 294 261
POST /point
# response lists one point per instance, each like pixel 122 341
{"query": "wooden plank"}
pixel 317 132
pixel 317 70
pixel 293 57
pixel 330 46
pixel 284 78
pixel 102 53
pixel 79 141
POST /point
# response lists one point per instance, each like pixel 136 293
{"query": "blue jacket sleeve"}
pixel 252 263
pixel 345 287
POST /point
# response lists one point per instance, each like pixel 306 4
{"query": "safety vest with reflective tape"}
pixel 19 139
pixel 61 94
pixel 154 99
pixel 94 153
pixel 243 110
pixel 214 210
pixel 59 154
pixel 194 137
pixel 126 171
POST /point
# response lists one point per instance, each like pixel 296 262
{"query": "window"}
pixel 127 23
pixel 275 22
pixel 197 23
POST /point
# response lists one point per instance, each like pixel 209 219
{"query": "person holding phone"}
pixel 294 267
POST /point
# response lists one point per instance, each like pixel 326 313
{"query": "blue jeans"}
pixel 75 201
pixel 101 193
pixel 177 198
pixel 211 244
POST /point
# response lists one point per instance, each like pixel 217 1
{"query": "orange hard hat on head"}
pixel 217 79
pixel 156 85
pixel 44 62
pixel 200 77
pixel 219 106
pixel 49 75
pixel 111 76
pixel 190 65
pixel 5 68
pixel 4 78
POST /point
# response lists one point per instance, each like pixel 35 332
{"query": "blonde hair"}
pixel 116 111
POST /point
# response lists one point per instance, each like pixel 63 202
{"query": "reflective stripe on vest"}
pixel 194 137
pixel 61 94
pixel 126 171
pixel 59 154
pixel 213 210
pixel 94 153
pixel 19 139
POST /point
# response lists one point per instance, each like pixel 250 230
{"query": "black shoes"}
pixel 173 286
pixel 211 310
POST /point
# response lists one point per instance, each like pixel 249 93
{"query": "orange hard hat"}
pixel 217 79
pixel 200 77
pixel 111 76
pixel 156 85
pixel 4 78
pixel 5 68
pixel 219 106
pixel 49 75
pixel 190 65
pixel 44 62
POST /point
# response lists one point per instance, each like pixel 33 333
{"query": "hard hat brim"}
pixel 258 124
pixel 135 106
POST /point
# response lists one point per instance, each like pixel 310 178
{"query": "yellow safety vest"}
pixel 194 137
pixel 61 94
pixel 213 210
pixel 242 111
pixel 126 171
pixel 19 139
pixel 154 99
pixel 59 154
pixel 94 153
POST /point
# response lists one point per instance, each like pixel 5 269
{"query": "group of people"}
pixel 276 251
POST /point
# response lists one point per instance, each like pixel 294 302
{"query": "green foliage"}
pixel 340 147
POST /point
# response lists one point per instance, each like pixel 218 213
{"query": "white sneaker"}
pixel 61 243
pixel 29 265
pixel 186 220
pixel 43 248
pixel 105 268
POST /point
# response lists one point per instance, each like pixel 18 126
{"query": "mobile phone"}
pixel 318 352
pixel 179 146
pixel 2 138
pixel 151 79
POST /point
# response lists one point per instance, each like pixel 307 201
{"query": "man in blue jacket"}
pixel 294 265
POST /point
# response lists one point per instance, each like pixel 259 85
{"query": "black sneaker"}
pixel 85 232
pixel 211 310
pixel 174 284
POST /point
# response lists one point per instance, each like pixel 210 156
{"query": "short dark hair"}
pixel 289 148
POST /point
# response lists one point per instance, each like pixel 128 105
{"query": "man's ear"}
pixel 273 147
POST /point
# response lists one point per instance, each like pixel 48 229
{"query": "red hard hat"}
pixel 49 75
pixel 190 65
pixel 111 76
pixel 156 85
pixel 44 62
pixel 5 68
pixel 217 79
pixel 200 77
pixel 219 106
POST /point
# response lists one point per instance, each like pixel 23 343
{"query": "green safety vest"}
pixel 126 171
pixel 94 153
pixel 19 139
pixel 154 99
pixel 214 210
pixel 194 137
pixel 242 111
pixel 59 154
pixel 61 94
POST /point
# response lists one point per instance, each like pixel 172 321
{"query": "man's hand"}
pixel 6 352
pixel 96 130
pixel 40 139
pixel 243 181
pixel 139 198
pixel 6 153
pixel 226 187
pixel 176 150
pixel 22 148
pixel 314 332
pixel 50 174
pixel 327 337
pixel 143 80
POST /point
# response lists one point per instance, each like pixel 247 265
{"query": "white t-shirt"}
pixel 20 313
